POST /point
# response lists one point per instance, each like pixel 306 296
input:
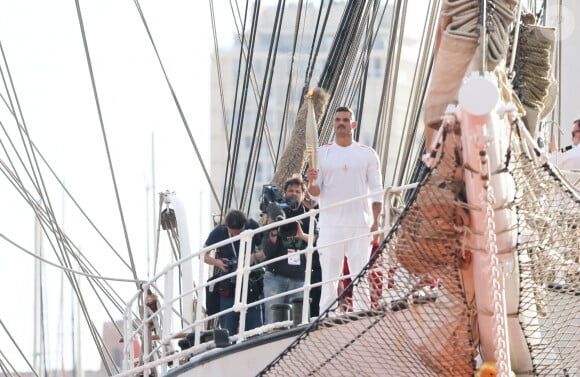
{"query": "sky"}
pixel 43 49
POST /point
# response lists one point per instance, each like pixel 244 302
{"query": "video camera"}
pixel 277 207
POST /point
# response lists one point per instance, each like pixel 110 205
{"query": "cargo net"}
pixel 422 320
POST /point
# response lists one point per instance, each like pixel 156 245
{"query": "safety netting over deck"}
pixel 423 317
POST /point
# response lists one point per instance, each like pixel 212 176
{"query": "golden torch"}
pixel 311 131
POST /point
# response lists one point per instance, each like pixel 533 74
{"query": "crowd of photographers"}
pixel 278 277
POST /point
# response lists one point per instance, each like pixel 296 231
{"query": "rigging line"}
pixel 244 91
pixel 230 190
pixel 419 81
pixel 120 305
pixel 36 177
pixel 17 347
pixel 385 102
pixel 64 268
pixel 263 128
pixel 174 243
pixel 312 61
pixel 274 152
pixel 314 48
pixel 294 80
pixel 256 144
pixel 282 133
pixel 249 75
pixel 510 68
pixel 14 177
pixel 364 71
pixel 29 199
pixel 362 67
pixel 230 168
pixel 102 349
pixel 399 22
pixel 11 106
pixel 343 67
pixel 103 285
pixel 58 235
pixel 220 88
pixel 329 67
pixel 229 177
pixel 263 107
pixel 282 136
pixel 90 323
pixel 4 368
pixel 83 263
pixel 17 184
pixel 222 103
pixel 62 238
pixel 379 139
pixel 22 130
pixel 174 240
pixel 104 134
pixel 44 219
pixel 346 81
pixel 157 234
pixel 95 334
pixel 254 82
pixel 341 45
pixel 175 100
pixel 558 63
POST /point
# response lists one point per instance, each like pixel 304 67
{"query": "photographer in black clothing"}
pixel 225 261
pixel 287 274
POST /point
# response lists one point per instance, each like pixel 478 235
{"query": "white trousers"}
pixel 332 258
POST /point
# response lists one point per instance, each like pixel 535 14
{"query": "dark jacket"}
pixel 230 251
pixel 284 242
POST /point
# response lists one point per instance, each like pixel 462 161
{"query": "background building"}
pixel 292 73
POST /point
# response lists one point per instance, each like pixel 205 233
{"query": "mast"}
pixel 154 220
pixel 38 342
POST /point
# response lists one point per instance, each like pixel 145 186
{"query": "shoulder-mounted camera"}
pixel 277 207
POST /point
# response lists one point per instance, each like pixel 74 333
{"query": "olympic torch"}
pixel 311 131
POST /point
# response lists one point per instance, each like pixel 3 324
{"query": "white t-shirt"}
pixel 345 173
pixel 568 161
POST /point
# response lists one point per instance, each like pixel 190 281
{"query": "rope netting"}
pixel 422 313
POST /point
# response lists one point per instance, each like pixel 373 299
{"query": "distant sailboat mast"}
pixel 151 221
pixel 39 360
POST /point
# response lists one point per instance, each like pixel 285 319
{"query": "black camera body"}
pixel 277 207
pixel 231 264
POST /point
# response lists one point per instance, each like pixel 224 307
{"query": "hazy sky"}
pixel 44 51
pixel 43 48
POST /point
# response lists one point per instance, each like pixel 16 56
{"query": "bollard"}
pixel 280 312
pixel 297 310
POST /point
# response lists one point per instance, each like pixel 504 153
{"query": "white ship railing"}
pixel 157 350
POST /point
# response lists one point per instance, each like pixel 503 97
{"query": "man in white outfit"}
pixel 346 170
pixel 567 159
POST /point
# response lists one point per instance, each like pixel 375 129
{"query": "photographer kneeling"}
pixel 286 274
pixel 225 261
